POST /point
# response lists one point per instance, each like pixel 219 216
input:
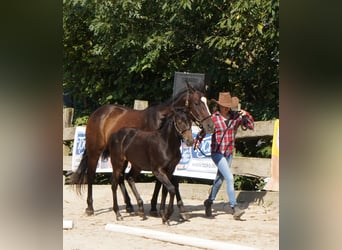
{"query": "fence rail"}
pixel 248 166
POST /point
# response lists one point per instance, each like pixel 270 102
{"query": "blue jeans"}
pixel 223 164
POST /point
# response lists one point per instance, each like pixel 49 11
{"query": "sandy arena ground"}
pixel 259 230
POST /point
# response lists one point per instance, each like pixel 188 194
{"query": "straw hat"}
pixel 226 100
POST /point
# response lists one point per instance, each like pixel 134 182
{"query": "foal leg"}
pixel 154 199
pixel 131 182
pixel 183 213
pixel 116 209
pixel 129 206
pixel 162 177
pixel 163 201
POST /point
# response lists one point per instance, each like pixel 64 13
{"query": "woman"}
pixel 222 147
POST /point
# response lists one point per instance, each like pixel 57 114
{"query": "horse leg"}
pixel 131 182
pixel 90 179
pixel 182 211
pixel 90 208
pixel 85 174
pixel 162 177
pixel 154 199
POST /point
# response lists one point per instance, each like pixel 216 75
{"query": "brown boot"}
pixel 207 204
pixel 237 212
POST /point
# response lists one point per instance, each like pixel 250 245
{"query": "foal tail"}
pixel 79 177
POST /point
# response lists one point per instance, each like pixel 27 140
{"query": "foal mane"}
pixel 167 117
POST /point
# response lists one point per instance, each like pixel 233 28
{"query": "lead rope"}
pixel 178 130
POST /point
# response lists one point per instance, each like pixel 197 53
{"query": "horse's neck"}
pixel 180 99
pixel 177 101
pixel 153 117
pixel 170 133
pixel 156 113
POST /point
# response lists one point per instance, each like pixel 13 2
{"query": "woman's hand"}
pixel 242 112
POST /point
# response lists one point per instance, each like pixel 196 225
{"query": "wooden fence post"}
pixel 140 104
pixel 68 115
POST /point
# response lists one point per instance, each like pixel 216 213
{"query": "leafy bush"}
pixel 248 183
pixel 80 121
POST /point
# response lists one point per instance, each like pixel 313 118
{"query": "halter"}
pixel 178 130
pixel 197 121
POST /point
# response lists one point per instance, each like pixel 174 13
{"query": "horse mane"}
pixel 165 119
pixel 180 94
pixel 177 97
pixel 173 99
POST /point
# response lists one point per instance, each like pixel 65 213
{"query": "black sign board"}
pixel 197 80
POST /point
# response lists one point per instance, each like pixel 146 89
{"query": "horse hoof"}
pixel 154 213
pixel 89 212
pixel 180 204
pixel 129 209
pixel 162 213
pixel 119 218
pixel 142 214
pixel 184 216
pixel 167 222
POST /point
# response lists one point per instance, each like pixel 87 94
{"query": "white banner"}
pixel 192 164
pixel 197 164
pixel 103 165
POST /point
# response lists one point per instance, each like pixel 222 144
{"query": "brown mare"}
pixel 157 151
pixel 110 118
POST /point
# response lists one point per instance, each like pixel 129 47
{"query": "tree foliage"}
pixel 118 51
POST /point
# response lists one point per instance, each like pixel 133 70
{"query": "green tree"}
pixel 118 51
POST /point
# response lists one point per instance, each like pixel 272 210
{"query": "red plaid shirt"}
pixel 225 144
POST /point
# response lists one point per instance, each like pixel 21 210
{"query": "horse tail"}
pixel 79 177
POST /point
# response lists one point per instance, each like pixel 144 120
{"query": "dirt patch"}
pixel 260 228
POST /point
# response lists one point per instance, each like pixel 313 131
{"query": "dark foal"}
pixel 157 151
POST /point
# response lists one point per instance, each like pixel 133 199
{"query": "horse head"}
pixel 196 102
pixel 183 123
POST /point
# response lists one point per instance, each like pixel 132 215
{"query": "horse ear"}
pixel 205 87
pixel 190 87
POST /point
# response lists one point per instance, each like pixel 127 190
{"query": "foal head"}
pixel 182 123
